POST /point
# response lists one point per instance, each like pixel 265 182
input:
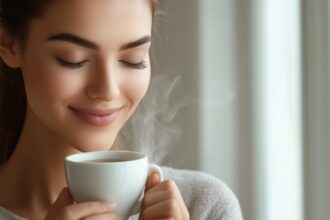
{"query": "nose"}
pixel 103 86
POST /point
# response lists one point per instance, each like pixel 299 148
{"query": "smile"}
pixel 95 117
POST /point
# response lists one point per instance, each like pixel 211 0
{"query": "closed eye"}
pixel 140 65
pixel 72 65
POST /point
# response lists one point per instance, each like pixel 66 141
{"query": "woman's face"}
pixel 86 68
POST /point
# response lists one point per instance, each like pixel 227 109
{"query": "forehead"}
pixel 111 21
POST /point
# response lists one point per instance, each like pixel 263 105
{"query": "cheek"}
pixel 48 83
pixel 136 87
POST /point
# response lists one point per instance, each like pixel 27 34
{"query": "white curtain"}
pixel 259 71
pixel 276 155
pixel 316 138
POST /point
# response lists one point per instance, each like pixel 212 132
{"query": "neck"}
pixel 34 175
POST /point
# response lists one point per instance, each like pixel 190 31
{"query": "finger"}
pixel 104 216
pixel 153 180
pixel 64 207
pixel 171 192
pixel 165 219
pixel 86 209
pixel 166 209
pixel 151 199
pixel 163 186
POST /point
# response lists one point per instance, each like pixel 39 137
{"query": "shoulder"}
pixel 206 196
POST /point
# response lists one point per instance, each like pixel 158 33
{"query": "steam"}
pixel 151 130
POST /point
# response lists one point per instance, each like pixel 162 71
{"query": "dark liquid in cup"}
pixel 107 160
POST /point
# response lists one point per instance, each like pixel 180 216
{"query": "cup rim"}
pixel 81 157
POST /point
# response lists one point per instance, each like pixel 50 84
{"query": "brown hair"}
pixel 14 19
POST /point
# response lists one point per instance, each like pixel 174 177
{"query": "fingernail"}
pixel 110 205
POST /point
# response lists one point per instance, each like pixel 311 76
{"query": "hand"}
pixel 65 209
pixel 162 200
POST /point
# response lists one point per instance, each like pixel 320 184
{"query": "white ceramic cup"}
pixel 91 177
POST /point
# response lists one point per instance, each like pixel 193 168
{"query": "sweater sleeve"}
pixel 206 197
pixel 7 215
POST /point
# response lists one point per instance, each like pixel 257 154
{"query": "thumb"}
pixel 153 180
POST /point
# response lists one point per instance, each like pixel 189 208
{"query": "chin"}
pixel 85 140
pixel 91 144
pixel 90 148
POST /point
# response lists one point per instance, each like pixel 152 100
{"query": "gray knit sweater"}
pixel 206 197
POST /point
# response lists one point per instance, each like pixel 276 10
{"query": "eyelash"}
pixel 71 65
pixel 140 66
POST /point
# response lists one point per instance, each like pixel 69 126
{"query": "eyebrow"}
pixel 72 38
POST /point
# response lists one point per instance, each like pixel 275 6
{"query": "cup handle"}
pixel 155 168
pixel 151 168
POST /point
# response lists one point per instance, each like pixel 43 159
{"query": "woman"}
pixel 73 72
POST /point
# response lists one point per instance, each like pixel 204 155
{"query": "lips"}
pixel 96 117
